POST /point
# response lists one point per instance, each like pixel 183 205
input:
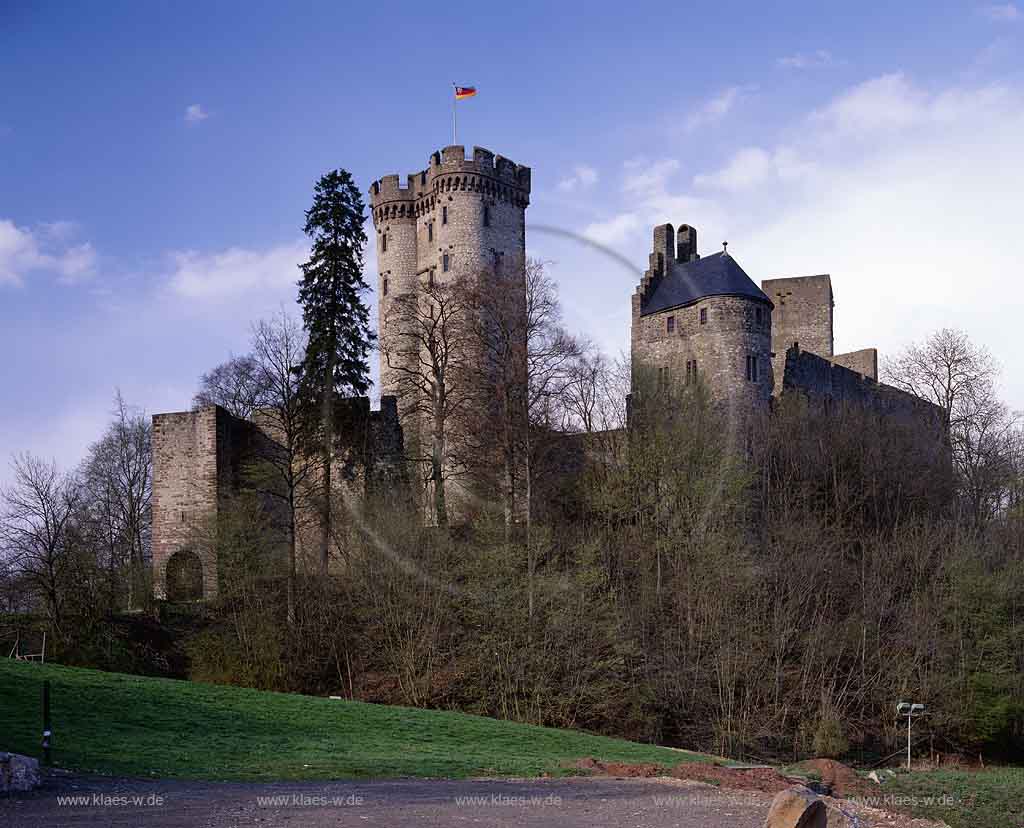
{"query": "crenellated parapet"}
pixel 494 177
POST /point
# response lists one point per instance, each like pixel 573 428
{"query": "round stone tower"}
pixel 459 218
pixel 701 320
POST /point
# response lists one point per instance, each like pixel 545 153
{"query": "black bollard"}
pixel 46 722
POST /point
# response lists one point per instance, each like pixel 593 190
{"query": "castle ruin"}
pixel 694 320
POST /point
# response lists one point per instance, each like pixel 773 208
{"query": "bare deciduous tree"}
pixel 960 377
pixel 283 471
pixel 946 369
pixel 431 356
pixel 594 396
pixel 37 530
pixel 237 385
pixel 117 478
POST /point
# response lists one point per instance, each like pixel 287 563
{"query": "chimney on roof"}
pixel 686 244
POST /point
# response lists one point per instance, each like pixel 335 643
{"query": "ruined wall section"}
pixel 186 481
pixel 828 383
pixel 864 361
pixel 803 314
pixel 203 458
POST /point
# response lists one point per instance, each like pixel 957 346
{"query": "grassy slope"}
pixel 131 725
pixel 964 799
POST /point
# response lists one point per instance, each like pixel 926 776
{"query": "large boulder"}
pixel 18 773
pixel 797 807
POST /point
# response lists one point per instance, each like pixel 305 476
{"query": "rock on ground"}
pixel 797 808
pixel 18 773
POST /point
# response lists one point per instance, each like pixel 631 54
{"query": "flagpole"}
pixel 454 122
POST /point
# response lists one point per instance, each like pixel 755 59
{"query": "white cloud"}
pixel 749 167
pixel 810 60
pixel 23 250
pixel 715 109
pixel 647 187
pixel 1002 12
pixel 194 113
pixel 646 179
pixel 77 263
pixel 884 103
pixel 582 177
pixel 236 272
pixel 615 230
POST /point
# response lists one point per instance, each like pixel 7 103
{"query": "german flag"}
pixel 463 92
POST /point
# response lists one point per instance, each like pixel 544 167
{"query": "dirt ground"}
pixel 534 803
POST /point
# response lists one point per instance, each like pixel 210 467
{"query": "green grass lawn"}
pixel 992 798
pixel 118 724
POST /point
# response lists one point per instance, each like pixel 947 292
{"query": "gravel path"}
pixel 563 803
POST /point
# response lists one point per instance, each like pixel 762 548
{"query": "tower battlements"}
pixel 450 170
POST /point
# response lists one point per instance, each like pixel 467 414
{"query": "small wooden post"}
pixel 46 722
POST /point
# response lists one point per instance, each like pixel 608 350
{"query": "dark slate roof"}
pixel 714 275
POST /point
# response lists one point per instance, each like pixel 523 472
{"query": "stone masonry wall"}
pixel 824 381
pixel 720 347
pixel 864 361
pixel 201 458
pixel 185 486
pixel 441 211
pixel 803 314
pixel 468 212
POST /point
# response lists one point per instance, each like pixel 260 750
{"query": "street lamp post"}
pixel 910 711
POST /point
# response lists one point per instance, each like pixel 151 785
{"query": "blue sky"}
pixel 156 159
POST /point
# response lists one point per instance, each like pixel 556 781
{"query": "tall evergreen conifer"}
pixel 335 317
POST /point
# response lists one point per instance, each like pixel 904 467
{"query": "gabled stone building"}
pixel 704 320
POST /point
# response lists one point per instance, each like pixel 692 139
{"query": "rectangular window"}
pixel 759 316
pixel 444 215
pixel 430 277
pixel 751 368
pixel 423 178
pixel 671 326
pixel 384 286
pixel 384 243
pixel 689 371
pixel 430 231
pixel 703 316
pixel 487 216
pixel 446 263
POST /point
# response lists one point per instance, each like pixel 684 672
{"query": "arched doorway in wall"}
pixel 184 576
